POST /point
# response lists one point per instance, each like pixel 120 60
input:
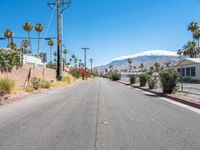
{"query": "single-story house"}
pixel 189 68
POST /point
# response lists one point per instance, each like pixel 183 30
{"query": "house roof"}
pixel 188 61
pixel 195 60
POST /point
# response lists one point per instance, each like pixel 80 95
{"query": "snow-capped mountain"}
pixel 148 58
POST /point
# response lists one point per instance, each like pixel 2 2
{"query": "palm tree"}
pixel 73 56
pixel 70 60
pixel 80 62
pixel 39 28
pixel 157 66
pixel 134 67
pixel 196 36
pixel 141 66
pixel 151 69
pixel 168 64
pixel 9 35
pixel 179 53
pixel 106 70
pixel 25 45
pixel 28 27
pixel 65 53
pixel 55 56
pixel 130 61
pixel 51 44
pixel 191 49
pixel 75 61
pixel 12 46
pixel 193 27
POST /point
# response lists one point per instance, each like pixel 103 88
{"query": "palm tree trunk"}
pixel 50 54
pixel 29 36
pixel 65 58
pixel 38 43
pixel 8 42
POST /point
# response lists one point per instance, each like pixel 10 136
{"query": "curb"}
pixel 9 100
pixel 180 100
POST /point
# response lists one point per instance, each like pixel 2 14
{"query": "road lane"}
pixel 97 115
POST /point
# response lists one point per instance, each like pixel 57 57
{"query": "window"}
pixel 179 70
pixel 183 72
pixel 188 71
pixel 193 71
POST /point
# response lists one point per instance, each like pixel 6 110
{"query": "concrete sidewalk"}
pixel 185 98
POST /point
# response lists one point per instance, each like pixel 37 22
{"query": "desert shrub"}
pixel 105 76
pixel 6 86
pixel 132 78
pixel 75 72
pixel 143 79
pixel 35 83
pixel 115 76
pixel 67 79
pixel 168 80
pixel 29 89
pixel 152 81
pixel 45 84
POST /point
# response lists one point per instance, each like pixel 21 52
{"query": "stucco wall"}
pixel 21 75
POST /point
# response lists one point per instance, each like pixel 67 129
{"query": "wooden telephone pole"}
pixel 59 6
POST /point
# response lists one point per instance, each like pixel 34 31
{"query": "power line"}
pixel 33 38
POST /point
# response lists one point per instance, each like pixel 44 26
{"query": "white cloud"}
pixel 148 53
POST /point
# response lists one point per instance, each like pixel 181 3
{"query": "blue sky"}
pixel 111 28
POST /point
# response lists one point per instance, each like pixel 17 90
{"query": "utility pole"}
pixel 59 6
pixel 85 57
pixel 91 62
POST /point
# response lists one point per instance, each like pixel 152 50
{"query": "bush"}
pixel 29 89
pixel 75 73
pixel 152 81
pixel 115 76
pixel 143 79
pixel 67 79
pixel 84 73
pixel 35 82
pixel 9 59
pixel 45 84
pixel 6 86
pixel 132 79
pixel 168 80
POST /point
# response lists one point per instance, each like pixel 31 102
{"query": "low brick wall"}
pixel 21 75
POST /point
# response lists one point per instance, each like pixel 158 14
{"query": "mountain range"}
pixel 148 58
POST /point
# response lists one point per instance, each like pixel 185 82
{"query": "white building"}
pixel 32 60
pixel 190 68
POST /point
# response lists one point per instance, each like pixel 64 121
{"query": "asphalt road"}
pixel 97 115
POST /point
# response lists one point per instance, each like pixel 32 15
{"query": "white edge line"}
pixel 181 105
